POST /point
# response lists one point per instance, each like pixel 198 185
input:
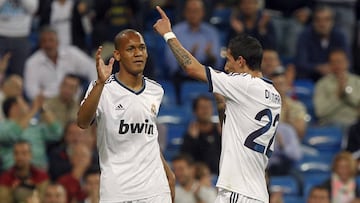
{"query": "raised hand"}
pixel 162 25
pixel 104 71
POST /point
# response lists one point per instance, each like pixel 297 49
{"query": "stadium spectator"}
pixel 344 15
pixel 113 16
pixel 70 19
pixel 250 18
pixel 12 87
pixel 337 95
pixel 66 104
pixel 80 159
pixel 202 140
pixel 292 112
pixel 271 62
pixel 92 185
pixel 4 64
pixel 19 182
pixel 342 185
pixel 15 26
pixel 315 43
pixel 203 175
pixel 289 19
pixel 189 190
pixel 54 193
pixel 353 139
pixel 319 194
pixel 59 156
pixel 201 38
pixel 17 126
pixel 287 151
pixel 46 68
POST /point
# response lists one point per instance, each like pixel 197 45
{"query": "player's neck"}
pixel 255 73
pixel 131 81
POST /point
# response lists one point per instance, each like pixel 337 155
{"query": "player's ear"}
pixel 116 55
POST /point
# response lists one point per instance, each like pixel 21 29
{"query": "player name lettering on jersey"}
pixel 272 96
pixel 136 127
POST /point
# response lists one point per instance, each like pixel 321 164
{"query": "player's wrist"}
pixel 169 35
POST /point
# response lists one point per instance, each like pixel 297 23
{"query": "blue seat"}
pixel 304 91
pixel 192 89
pixel 169 98
pixel 315 163
pixel 293 199
pixel 221 20
pixel 311 180
pixel 175 136
pixel 325 139
pixel 287 184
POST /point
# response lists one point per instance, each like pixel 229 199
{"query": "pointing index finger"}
pixel 162 13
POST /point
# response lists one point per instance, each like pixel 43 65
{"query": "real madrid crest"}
pixel 153 109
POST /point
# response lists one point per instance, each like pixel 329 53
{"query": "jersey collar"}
pixel 130 90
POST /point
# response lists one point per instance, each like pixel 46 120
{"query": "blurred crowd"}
pixel 46 62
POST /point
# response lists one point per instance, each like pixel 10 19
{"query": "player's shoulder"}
pixel 152 82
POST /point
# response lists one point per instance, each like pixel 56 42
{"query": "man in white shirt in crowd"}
pixel 46 68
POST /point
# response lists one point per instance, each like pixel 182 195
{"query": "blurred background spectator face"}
pixel 184 171
pixel 13 86
pixel 280 84
pixel 92 183
pixel 69 88
pixel 323 21
pixel 338 62
pixel 319 195
pixel 269 62
pixel 80 155
pixel 74 134
pixel 203 109
pixel 249 7
pixel 22 155
pixel 55 193
pixel 203 174
pixel 344 166
pixel 49 43
pixel 194 12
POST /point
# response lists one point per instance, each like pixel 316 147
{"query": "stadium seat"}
pixel 221 20
pixel 191 89
pixel 175 135
pixel 311 180
pixel 324 139
pixel 304 91
pixel 169 98
pixel 293 199
pixel 287 184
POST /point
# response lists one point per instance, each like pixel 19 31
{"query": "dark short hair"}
pixel 337 50
pixel 249 48
pixel 319 187
pixel 8 103
pixel 184 157
pixel 197 100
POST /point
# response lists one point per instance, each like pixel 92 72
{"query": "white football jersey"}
pixel 251 118
pixel 127 141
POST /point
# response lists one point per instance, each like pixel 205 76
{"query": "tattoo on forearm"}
pixel 181 55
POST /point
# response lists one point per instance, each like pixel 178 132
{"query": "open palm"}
pixel 104 71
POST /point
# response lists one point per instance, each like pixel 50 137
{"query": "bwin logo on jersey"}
pixel 136 127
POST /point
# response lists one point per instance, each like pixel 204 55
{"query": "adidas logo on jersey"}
pixel 119 107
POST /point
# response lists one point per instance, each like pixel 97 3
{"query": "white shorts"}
pixel 163 198
pixel 226 196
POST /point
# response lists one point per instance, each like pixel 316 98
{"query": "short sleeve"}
pixel 91 86
pixel 228 85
